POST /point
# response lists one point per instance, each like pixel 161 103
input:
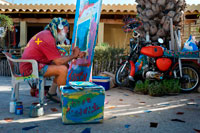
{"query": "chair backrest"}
pixel 10 62
pixel 14 72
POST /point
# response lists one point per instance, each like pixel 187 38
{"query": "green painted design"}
pixel 26 78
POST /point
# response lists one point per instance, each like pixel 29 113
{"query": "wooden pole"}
pixel 172 34
pixel 179 38
pixel 177 41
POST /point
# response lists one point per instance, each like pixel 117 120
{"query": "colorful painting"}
pixel 140 64
pixel 85 105
pixel 84 36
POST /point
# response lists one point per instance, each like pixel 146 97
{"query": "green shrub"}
pixel 156 89
pixel 171 86
pixel 142 87
pixel 6 22
pixel 103 51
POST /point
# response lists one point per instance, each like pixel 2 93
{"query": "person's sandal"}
pixel 51 97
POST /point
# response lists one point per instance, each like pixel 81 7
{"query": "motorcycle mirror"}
pixel 160 40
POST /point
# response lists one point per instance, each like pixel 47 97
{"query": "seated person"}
pixel 43 48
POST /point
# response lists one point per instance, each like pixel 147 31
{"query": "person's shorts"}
pixel 43 70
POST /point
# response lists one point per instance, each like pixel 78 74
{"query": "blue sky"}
pixel 74 1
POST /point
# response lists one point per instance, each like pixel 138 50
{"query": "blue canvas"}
pixel 84 36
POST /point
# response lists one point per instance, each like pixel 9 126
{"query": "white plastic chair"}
pixel 16 79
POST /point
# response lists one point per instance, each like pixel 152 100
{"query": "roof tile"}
pixel 72 8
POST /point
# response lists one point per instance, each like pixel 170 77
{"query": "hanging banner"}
pixel 84 36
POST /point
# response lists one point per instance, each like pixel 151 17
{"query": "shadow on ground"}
pixel 124 112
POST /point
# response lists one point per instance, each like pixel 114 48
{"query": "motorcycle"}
pixel 150 61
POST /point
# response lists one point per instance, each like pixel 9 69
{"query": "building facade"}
pixel 30 19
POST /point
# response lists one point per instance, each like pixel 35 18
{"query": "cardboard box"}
pixel 82 102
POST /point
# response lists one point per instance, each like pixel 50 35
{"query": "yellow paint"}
pixel 96 117
pixel 90 119
pixel 38 41
pixel 74 96
pixel 26 78
pixel 34 37
pixel 80 94
pixel 112 107
pixel 131 115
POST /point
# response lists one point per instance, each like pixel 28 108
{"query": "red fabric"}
pixel 14 36
pixel 42 48
pixel 132 73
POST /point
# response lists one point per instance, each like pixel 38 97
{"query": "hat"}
pixel 54 24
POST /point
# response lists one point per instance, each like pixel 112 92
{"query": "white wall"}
pixel 4 2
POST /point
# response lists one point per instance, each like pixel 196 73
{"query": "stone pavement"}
pixel 125 112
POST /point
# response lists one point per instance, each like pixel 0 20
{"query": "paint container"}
pixel 36 110
pixel 18 108
pixel 102 80
pixel 12 107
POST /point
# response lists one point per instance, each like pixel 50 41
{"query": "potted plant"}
pixel 6 23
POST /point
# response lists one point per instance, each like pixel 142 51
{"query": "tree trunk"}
pixel 156 14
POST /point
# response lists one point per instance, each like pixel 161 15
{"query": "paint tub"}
pixel 101 80
pixel 36 110
pixel 82 102
pixel 18 108
pixel 12 107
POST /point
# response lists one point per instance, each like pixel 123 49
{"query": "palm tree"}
pixel 156 15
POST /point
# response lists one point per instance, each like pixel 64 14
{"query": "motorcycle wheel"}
pixel 121 76
pixel 190 80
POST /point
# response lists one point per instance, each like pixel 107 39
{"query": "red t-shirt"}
pixel 42 48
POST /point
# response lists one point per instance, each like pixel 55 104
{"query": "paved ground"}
pixel 125 112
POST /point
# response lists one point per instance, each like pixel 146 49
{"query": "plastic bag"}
pixel 190 45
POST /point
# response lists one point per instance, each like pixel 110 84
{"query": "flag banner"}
pixel 84 36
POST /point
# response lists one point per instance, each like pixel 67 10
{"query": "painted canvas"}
pixel 82 102
pixel 84 36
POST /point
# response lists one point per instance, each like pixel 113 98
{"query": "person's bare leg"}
pixel 54 86
pixel 60 73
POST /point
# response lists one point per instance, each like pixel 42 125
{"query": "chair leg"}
pixel 14 96
pixel 41 90
pixel 15 92
pixel 44 79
